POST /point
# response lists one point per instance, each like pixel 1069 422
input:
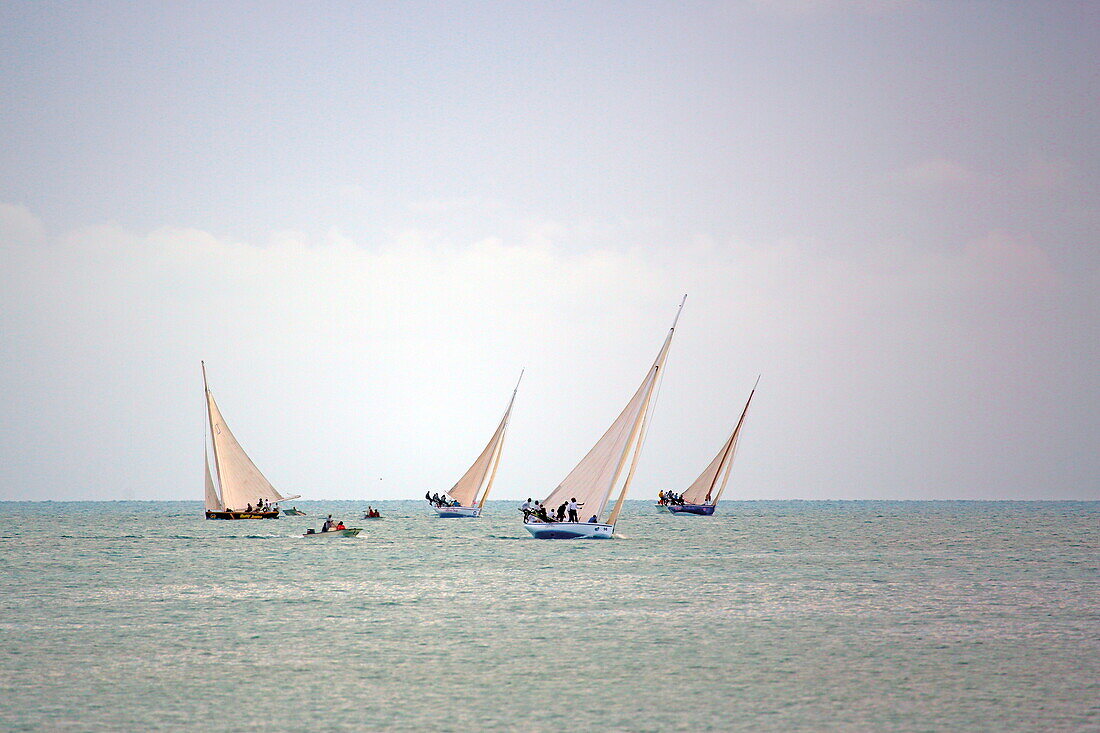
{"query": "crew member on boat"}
pixel 525 507
pixel 574 507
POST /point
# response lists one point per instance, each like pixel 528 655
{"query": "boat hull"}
pixel 569 530
pixel 703 510
pixel 294 512
pixel 456 512
pixel 349 532
pixel 274 514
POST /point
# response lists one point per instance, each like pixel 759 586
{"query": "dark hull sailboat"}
pixel 273 514
pixel 240 486
pixel 697 499
pixel 704 510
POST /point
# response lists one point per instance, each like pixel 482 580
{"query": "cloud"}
pixel 338 363
pixel 19 227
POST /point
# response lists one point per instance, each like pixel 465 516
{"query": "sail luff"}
pixel 659 366
pixel 213 501
pixel 500 444
pixel 733 443
pixel 213 443
pixel 493 472
pixel 633 464
pixel 723 466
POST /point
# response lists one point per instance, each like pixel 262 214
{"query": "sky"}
pixel 367 218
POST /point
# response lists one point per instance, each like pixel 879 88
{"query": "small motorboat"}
pixel 346 532
pixel 368 515
pixel 294 512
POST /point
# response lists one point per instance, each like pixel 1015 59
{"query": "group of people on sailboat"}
pixel 539 511
pixel 440 501
pixel 261 506
pixel 667 498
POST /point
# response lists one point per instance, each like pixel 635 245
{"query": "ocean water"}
pixel 884 616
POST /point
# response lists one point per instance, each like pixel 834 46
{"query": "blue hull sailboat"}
pixel 702 509
pixel 702 496
pixel 591 483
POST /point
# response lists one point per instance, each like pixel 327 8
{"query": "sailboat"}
pixel 593 480
pixel 701 497
pixel 241 483
pixel 481 474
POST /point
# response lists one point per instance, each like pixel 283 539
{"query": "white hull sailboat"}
pixel 480 476
pixel 593 480
pixel 240 484
pixel 701 498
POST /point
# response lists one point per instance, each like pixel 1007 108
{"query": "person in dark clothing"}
pixel 561 512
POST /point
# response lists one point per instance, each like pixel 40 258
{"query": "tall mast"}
pixel 500 444
pixel 638 434
pixel 732 443
pixel 213 442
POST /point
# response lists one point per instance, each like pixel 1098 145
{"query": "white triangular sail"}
pixel 708 488
pixel 483 470
pixel 213 502
pixel 241 482
pixel 594 478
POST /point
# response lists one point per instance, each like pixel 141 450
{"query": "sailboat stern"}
pixel 570 530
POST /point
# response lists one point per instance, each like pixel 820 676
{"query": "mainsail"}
pixel 484 469
pixel 708 488
pixel 594 478
pixel 241 482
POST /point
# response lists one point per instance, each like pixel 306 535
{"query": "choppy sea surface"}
pixel 885 616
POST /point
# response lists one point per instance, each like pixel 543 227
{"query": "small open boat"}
pixel 294 512
pixel 349 532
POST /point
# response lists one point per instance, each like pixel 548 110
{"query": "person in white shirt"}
pixel 572 508
pixel 525 507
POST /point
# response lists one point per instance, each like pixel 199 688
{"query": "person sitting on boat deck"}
pixel 593 520
pixel 543 514
pixel 573 508
pixel 340 525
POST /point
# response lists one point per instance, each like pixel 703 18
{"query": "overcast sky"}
pixel 367 218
